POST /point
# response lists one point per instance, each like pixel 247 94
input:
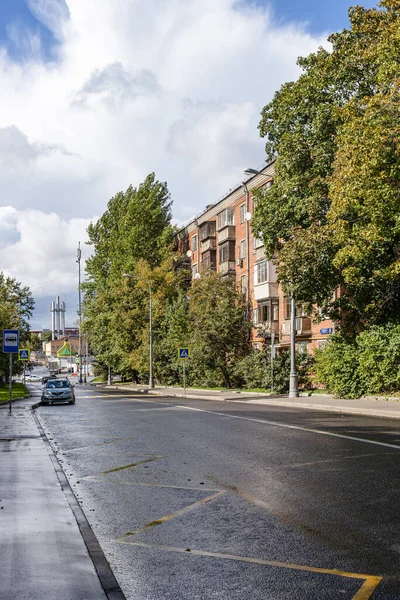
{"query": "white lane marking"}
pixel 296 427
pixel 284 425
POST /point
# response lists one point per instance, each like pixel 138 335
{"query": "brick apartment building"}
pixel 221 239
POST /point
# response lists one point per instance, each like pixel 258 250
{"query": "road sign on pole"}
pixel 10 341
pixel 184 354
pixel 10 346
pixel 24 354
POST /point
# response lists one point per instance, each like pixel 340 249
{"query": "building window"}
pixel 264 313
pixel 242 249
pixel 225 218
pixel 299 309
pixel 227 251
pixel 257 243
pixel 256 346
pixel 242 213
pixel 275 310
pixel 261 272
pixel 243 284
pixel 322 344
pixel 302 347
pixel 194 242
pixel 195 270
pixel 255 316
pixel 287 307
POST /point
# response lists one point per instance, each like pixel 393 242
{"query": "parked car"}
pixel 58 390
pixel 32 378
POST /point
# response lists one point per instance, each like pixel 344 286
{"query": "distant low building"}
pixel 52 347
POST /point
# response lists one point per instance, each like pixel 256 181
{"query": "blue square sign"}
pixel 10 340
pixel 184 353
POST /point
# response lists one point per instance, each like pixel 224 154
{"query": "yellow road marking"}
pixel 141 462
pixel 158 485
pixel 364 593
pixel 171 516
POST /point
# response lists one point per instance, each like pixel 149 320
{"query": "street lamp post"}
pixel 293 383
pixel 78 260
pixel 151 379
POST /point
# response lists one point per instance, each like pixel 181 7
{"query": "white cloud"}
pixel 171 86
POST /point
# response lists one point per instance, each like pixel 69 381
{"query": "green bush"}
pixel 379 359
pixel 254 370
pixel 369 364
pixel 336 367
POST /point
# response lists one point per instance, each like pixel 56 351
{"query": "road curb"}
pixel 103 569
pixel 367 412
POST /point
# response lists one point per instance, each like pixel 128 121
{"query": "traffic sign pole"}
pixel 10 375
pixel 10 346
pixel 184 378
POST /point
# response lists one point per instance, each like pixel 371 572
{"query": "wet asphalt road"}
pixel 209 500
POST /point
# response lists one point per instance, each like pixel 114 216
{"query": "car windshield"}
pixel 57 383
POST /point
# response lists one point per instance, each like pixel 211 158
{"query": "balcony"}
pixel 209 260
pixel 207 230
pixel 262 291
pixel 265 329
pixel 228 233
pixel 209 244
pixel 302 325
pixel 227 268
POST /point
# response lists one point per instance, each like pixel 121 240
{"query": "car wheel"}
pixel 72 401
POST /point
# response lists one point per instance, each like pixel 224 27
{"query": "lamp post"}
pixel 78 260
pixel 293 383
pixel 151 380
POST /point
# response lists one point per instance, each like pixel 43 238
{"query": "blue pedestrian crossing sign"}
pixel 184 352
pixel 24 354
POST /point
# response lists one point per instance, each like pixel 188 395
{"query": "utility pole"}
pixel 293 384
pixel 272 360
pixel 86 361
pixel 151 380
pixel 78 256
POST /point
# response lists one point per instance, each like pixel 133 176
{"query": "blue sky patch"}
pixel 320 16
pixel 22 34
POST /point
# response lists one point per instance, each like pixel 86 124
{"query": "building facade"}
pixel 221 239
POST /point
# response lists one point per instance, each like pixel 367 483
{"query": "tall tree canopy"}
pixel 332 217
pixel 133 236
pixel 16 307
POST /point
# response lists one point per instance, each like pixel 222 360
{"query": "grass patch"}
pixel 18 390
pixel 98 380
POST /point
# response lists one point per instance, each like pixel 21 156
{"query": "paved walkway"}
pixel 375 407
pixel 42 552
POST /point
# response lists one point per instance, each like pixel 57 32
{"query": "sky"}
pixel 96 94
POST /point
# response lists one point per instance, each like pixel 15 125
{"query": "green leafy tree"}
pixel 35 343
pixel 133 236
pixel 332 216
pixel 219 331
pixel 16 308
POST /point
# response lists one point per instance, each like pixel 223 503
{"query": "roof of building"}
pixel 66 351
pixel 211 210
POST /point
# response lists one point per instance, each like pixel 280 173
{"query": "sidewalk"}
pixel 373 407
pixel 42 551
